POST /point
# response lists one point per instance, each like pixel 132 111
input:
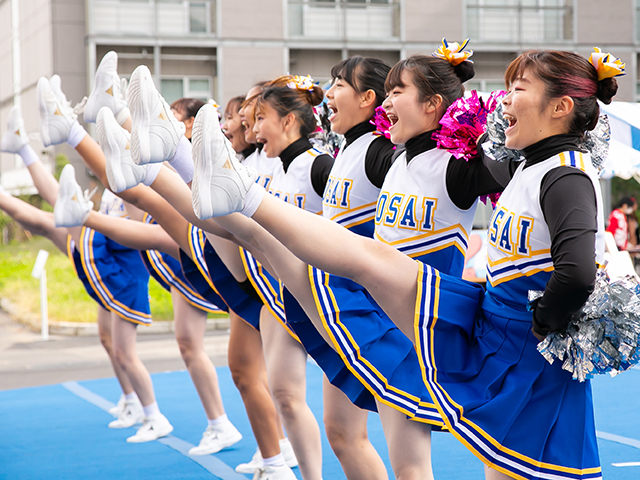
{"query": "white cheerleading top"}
pixel 416 216
pixel 112 205
pixel 295 185
pixel 266 167
pixel 518 240
pixel 349 197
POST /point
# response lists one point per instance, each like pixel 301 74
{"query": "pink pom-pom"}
pixel 381 121
pixel 492 197
pixel 464 122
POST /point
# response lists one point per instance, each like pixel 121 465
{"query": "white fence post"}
pixel 40 272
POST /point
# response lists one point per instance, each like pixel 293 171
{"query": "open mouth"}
pixel 511 119
pixel 334 112
pixel 392 119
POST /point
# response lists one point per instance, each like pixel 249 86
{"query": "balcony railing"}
pixel 152 18
pixel 520 21
pixel 344 19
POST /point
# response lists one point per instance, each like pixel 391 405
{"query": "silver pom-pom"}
pixel 496 126
pixel 604 336
pixel 596 142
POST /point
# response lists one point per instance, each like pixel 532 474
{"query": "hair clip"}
pixel 453 53
pixel 301 83
pixel 606 64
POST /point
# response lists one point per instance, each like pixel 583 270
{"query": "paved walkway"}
pixel 26 360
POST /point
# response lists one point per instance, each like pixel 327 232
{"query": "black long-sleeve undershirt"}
pixel 568 203
pixel 379 156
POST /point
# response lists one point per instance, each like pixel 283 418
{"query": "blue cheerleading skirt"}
pixel 167 271
pixel 371 347
pixel 113 275
pixel 516 412
pixel 269 289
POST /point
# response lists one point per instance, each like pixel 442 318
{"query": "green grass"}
pixel 67 299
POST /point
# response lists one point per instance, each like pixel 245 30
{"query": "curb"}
pixel 32 322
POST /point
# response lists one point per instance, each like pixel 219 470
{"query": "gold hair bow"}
pixel 301 83
pixel 606 64
pixel 453 53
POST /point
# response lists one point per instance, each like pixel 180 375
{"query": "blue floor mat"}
pixel 52 433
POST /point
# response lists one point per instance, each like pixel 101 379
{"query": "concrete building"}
pixel 219 48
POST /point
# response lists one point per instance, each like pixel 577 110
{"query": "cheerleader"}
pixel 523 417
pixel 234 130
pixel 287 384
pixel 101 270
pixel 245 361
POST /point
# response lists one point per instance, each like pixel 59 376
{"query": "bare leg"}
pixel 190 324
pixel 248 370
pixel 286 368
pixel 491 474
pixel 104 331
pixel 390 276
pixel 346 428
pixel 409 445
pixel 124 350
pixel 132 234
pixel 34 220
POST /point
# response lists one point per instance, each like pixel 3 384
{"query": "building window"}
pixel 151 17
pixel 520 21
pixel 174 88
pixel 484 85
pixel 344 19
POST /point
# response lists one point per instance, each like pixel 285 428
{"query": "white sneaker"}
pixel 72 208
pixel 131 414
pixel 118 407
pixel 257 462
pixel 220 181
pixel 274 473
pixel 106 89
pixel 152 428
pixel 15 137
pixel 56 117
pixel 114 140
pixel 155 132
pixel 217 438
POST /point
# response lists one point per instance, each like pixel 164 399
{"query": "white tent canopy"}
pixel 624 150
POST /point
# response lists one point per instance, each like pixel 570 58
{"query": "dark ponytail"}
pixel 432 76
pixel 282 95
pixel 363 73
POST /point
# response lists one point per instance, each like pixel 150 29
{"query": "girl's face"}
pixel 188 122
pixel 532 116
pixel 409 117
pixel 345 103
pixel 271 130
pixel 246 116
pixel 233 129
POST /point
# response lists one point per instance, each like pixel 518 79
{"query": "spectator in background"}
pixel 619 223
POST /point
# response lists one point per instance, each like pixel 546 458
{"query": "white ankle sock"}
pixel 253 199
pixel 130 397
pixel 275 461
pixel 153 169
pixel 76 134
pixel 28 155
pixel 122 115
pixel 182 161
pixel 218 421
pixel 151 410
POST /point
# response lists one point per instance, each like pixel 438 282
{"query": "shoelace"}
pixel 88 194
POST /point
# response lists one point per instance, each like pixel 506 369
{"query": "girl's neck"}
pixel 419 144
pixel 289 154
pixel 357 131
